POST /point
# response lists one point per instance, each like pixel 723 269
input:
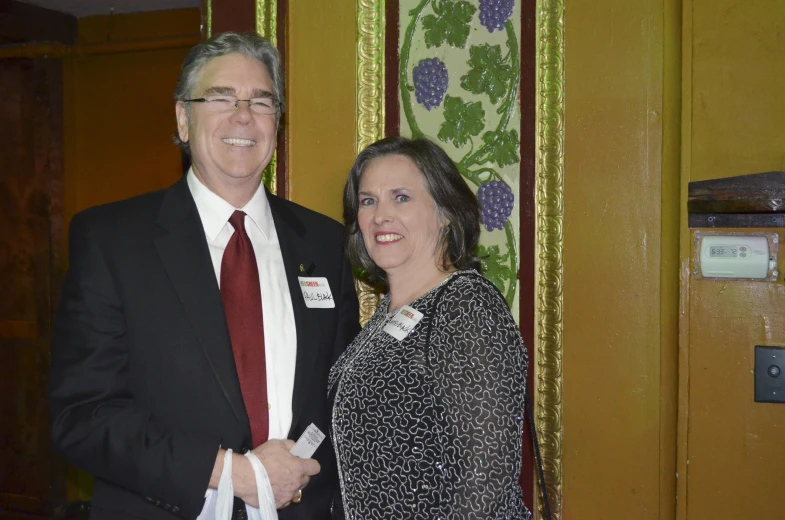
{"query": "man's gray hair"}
pixel 248 44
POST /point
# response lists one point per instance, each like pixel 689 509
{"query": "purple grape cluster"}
pixel 496 200
pixel 430 82
pixel 494 13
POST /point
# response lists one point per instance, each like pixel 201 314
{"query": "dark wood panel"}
pixel 737 220
pixel 18 330
pixel 233 15
pixel 32 480
pixel 22 23
pixel 392 61
pixel 528 218
pixel 754 193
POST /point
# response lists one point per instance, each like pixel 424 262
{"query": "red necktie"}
pixel 242 299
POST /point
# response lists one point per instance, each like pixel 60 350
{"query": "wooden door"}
pixel 32 477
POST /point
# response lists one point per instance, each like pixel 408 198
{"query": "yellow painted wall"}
pixel 118 119
pixel 119 109
pixel 737 101
pixel 320 98
pixel 732 450
pixel 625 100
pixel 620 255
pixel 321 61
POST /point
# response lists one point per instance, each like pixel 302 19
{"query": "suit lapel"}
pixel 292 238
pixel 183 250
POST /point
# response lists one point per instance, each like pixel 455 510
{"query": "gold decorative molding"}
pixel 267 27
pixel 267 20
pixel 370 72
pixel 208 18
pixel 370 104
pixel 549 244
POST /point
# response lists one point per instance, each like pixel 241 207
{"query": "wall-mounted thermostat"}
pixel 750 256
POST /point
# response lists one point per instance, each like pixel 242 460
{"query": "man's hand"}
pixel 288 474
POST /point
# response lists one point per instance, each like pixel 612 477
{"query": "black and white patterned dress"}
pixel 433 428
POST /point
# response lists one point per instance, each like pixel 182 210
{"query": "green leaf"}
pixel 489 72
pixel 503 147
pixel 450 23
pixel 493 265
pixel 461 121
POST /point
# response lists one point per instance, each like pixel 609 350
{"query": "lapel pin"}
pixel 302 268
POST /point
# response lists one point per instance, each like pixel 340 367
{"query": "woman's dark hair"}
pixel 455 203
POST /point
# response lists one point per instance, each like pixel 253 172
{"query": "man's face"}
pixel 229 148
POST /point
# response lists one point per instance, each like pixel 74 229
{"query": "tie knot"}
pixel 237 220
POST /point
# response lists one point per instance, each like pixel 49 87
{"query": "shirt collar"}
pixel 215 211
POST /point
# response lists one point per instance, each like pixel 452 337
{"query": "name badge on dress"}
pixel 316 292
pixel 403 322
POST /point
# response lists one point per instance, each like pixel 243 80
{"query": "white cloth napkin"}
pixel 218 503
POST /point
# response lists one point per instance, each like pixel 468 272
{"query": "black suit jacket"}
pixel 143 382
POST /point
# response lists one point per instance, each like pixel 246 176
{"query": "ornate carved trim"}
pixel 370 103
pixel 267 20
pixel 370 72
pixel 549 201
pixel 208 18
pixel 267 26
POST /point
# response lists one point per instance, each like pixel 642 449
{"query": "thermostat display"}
pixel 723 252
pixel 735 256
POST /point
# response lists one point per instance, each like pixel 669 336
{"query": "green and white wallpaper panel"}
pixel 459 81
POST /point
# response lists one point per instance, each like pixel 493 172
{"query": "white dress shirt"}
pixel 280 335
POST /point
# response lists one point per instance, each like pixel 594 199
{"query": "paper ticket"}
pixel 306 445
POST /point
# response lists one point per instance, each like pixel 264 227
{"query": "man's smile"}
pixel 238 142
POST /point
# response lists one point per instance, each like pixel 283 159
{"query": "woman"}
pixel 428 399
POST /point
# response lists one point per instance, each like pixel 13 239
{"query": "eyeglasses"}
pixel 226 104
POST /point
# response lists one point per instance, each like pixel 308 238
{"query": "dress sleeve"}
pixel 480 366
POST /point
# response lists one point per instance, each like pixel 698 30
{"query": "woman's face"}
pixel 397 216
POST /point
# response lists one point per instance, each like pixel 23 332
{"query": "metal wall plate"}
pixel 769 374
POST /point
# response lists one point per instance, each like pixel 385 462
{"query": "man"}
pixel 204 317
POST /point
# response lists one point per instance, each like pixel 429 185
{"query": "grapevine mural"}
pixel 459 76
